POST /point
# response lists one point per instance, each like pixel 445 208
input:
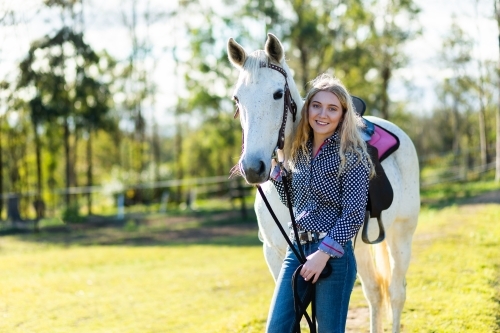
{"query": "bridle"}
pixel 288 104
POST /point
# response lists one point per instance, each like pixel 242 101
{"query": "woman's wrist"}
pixel 326 253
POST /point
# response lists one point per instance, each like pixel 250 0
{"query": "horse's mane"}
pixel 252 65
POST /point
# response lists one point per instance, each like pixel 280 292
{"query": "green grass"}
pixel 133 276
pixel 191 288
pixel 454 277
pixel 444 194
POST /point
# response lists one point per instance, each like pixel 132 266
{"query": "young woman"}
pixel 329 174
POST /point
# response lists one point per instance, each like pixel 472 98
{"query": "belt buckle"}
pixel 304 237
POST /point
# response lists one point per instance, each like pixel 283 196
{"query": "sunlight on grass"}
pixel 114 279
pixel 129 289
pixel 454 274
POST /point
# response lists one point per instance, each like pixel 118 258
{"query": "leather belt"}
pixel 308 236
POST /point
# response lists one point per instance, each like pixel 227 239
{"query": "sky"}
pixel 105 30
pixel 425 70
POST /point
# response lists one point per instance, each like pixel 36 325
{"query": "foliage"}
pixel 70 101
pixel 72 214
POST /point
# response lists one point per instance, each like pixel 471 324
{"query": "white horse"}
pixel 259 97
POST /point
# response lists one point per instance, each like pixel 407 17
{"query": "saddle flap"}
pixel 380 193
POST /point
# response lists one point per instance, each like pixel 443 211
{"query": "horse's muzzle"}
pixel 255 173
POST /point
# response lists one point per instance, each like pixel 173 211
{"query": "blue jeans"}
pixel 332 293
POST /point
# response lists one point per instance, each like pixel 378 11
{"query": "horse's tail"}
pixel 383 268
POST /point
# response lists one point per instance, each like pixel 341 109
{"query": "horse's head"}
pixel 260 95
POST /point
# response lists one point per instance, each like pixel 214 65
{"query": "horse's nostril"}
pixel 262 168
pixel 255 173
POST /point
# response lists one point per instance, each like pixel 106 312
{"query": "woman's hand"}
pixel 314 265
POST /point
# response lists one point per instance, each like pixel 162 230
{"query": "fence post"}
pixel 241 192
pixel 121 207
pixel 164 202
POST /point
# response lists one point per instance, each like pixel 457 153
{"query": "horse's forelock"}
pixel 252 66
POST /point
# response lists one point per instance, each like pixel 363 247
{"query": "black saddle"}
pixel 380 193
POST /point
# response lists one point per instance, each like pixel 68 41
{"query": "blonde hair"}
pixel 349 126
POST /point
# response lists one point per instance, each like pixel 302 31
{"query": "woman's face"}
pixel 325 113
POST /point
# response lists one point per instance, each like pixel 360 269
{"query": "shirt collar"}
pixel 334 138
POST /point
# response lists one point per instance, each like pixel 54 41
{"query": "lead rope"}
pixel 300 304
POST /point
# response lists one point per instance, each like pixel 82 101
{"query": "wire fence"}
pixel 163 196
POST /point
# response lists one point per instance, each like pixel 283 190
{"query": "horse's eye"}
pixel 277 95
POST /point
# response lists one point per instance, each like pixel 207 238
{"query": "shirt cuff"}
pixel 331 247
pixel 276 174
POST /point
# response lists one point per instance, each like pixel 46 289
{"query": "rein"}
pixel 300 303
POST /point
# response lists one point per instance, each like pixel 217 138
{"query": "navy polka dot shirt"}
pixel 324 202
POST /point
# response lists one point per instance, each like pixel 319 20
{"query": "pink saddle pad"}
pixel 385 141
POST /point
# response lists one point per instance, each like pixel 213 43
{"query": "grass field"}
pixel 206 273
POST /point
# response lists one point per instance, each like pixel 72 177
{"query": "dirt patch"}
pixel 490 197
pixel 358 320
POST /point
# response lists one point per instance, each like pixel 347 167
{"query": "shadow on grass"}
pixel 221 228
pixel 446 195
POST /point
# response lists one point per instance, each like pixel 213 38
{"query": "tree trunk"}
pixel 179 166
pixel 304 61
pixel 497 160
pixel 1 171
pixel 74 159
pixel 89 173
pixel 384 96
pixel 68 161
pixel 38 203
pixel 482 138
pixel 455 126
pixel 156 159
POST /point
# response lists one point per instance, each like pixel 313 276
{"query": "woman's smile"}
pixel 325 113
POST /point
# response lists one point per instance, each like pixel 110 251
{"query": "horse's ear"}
pixel 236 53
pixel 274 49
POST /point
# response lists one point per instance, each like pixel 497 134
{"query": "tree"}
pixel 497 160
pixel 58 68
pixel 92 103
pixel 137 81
pixel 456 90
pixel 360 42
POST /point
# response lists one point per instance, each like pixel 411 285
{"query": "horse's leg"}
pixel 399 239
pixel 372 287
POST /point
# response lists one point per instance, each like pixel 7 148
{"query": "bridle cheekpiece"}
pixel 288 105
